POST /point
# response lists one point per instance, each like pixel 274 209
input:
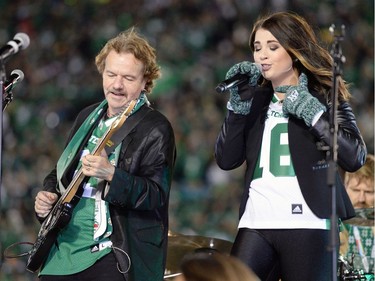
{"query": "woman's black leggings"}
pixel 289 254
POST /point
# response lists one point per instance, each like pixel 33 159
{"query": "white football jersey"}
pixel 275 199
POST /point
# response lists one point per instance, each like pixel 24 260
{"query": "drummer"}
pixel 360 185
pixel 360 188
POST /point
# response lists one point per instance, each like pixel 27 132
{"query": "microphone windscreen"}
pixel 19 73
pixel 23 38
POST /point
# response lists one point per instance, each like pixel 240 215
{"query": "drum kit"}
pixel 357 248
pixel 180 245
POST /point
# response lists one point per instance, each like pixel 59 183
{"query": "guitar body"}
pixel 61 213
pixel 47 235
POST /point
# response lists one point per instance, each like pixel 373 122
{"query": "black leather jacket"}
pixel 138 194
pixel 241 136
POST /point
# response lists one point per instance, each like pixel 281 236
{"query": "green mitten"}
pixel 235 103
pixel 249 68
pixel 299 102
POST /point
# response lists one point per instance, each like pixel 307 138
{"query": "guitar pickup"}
pixel 65 215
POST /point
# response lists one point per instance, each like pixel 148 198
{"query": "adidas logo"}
pixel 296 208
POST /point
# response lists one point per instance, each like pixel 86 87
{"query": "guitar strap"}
pixel 130 123
pixel 117 138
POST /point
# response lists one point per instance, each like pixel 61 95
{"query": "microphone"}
pixel 15 77
pixel 237 80
pixel 20 41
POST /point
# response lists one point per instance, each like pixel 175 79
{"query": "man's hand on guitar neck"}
pixel 98 166
pixel 44 202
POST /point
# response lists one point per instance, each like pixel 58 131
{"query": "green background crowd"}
pixel 197 41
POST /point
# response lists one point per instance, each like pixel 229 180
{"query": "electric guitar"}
pixel 61 213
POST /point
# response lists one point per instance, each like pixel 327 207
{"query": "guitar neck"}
pixel 79 176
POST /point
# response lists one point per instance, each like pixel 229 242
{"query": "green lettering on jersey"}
pixel 280 163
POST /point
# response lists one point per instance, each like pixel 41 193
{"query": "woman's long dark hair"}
pixel 299 40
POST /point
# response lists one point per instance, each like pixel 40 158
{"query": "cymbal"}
pixel 366 213
pixel 358 221
pixel 364 217
pixel 181 245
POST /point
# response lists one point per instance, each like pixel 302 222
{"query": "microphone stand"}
pixel 2 80
pixel 338 59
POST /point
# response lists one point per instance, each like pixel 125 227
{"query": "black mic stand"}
pixel 2 80
pixel 338 59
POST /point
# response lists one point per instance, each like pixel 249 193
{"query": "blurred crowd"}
pixel 196 42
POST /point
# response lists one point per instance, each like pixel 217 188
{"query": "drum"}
pixel 346 271
pixel 357 245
